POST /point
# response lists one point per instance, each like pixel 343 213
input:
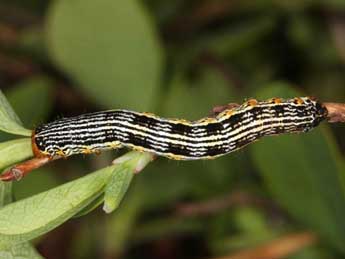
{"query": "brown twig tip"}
pixel 336 112
pixel 19 171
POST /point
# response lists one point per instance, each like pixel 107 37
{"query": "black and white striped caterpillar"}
pixel 173 138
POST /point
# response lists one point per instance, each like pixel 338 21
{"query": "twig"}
pixel 209 11
pixel 8 35
pixel 276 249
pixel 18 17
pixel 336 112
pixel 202 14
pixel 17 172
pixel 16 67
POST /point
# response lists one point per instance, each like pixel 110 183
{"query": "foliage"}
pixel 177 59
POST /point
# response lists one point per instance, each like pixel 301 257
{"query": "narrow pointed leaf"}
pixel 122 177
pixel 29 218
pixel 119 65
pixel 22 250
pixel 117 187
pixel 9 121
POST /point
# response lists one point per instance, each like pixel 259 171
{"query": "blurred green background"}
pixel 179 59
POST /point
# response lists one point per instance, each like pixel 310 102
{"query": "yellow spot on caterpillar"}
pixel 175 157
pixel 138 148
pixel 210 157
pixel 61 153
pixel 298 100
pixel 115 145
pixel 87 151
pixel 276 100
pixel 181 121
pixel 226 114
pixel 252 102
pixel 44 153
pixel 206 120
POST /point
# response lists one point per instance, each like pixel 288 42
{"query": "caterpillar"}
pixel 177 139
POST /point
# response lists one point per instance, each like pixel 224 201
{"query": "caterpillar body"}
pixel 177 139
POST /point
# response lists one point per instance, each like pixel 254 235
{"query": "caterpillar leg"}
pixel 19 171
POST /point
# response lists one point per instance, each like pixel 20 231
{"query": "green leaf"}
pixel 122 177
pixel 29 218
pixel 9 121
pixel 117 187
pixel 305 174
pixel 110 48
pixel 32 100
pixel 194 100
pixel 5 193
pixel 238 37
pixel 92 206
pixel 42 179
pixel 20 251
pixel 120 225
pixel 14 151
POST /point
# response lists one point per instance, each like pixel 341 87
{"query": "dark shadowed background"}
pixel 179 59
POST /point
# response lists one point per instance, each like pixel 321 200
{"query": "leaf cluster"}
pixel 177 59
